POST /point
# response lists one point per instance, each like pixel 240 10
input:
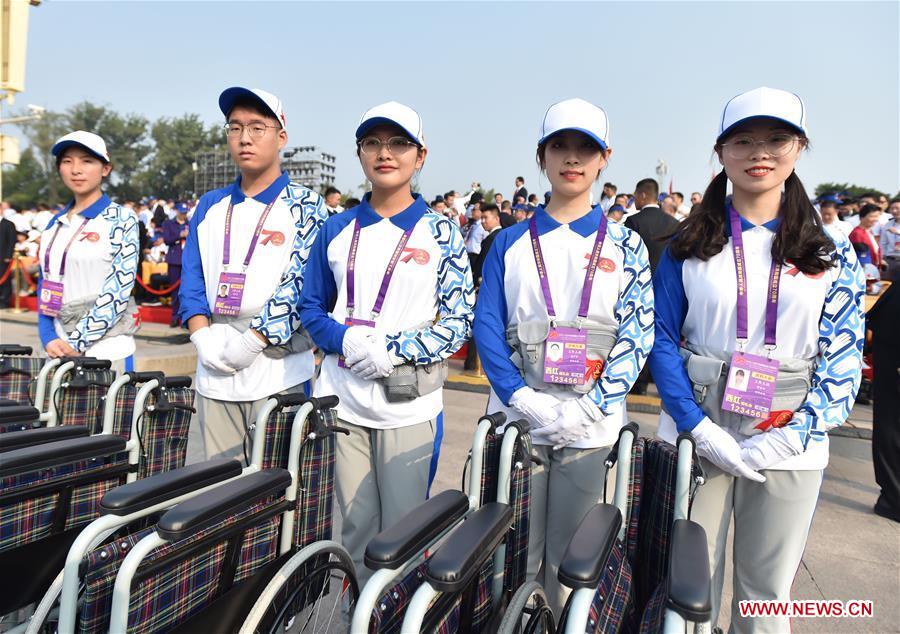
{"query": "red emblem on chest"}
pixel 605 264
pixel 793 271
pixel 420 256
pixel 90 236
pixel 275 237
pixel 778 418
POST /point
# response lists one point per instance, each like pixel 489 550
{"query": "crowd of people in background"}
pixel 871 221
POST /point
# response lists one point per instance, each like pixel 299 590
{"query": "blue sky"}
pixel 482 75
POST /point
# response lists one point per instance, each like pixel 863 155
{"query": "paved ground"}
pixel 851 554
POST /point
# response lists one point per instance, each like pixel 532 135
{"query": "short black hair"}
pixel 450 193
pixel 679 194
pixel 611 186
pixel 647 186
pixel 867 209
pixel 351 202
pixel 521 178
pixel 490 208
pixel 332 190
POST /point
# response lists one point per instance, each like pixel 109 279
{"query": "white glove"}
pixel 576 419
pixel 764 450
pixel 242 351
pixel 209 352
pixel 376 363
pixel 539 408
pixel 716 445
pixel 354 344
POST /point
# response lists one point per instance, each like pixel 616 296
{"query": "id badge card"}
pixel 350 321
pixel 229 292
pixel 565 356
pixel 50 301
pixel 750 387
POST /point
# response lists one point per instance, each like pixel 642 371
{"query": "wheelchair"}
pixel 52 479
pixel 638 564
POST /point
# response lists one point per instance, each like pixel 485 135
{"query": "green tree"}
pixel 169 173
pixel 42 134
pixel 126 138
pixel 852 190
pixel 26 183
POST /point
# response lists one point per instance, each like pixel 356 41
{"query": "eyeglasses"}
pixel 396 145
pixel 256 130
pixel 776 145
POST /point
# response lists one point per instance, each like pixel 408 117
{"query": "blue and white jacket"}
pixel 820 318
pixel 432 279
pixel 274 278
pixel 102 262
pixel 621 297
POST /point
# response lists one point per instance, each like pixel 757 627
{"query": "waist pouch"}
pixel 300 340
pixel 409 381
pixel 73 312
pixel 528 340
pixel 709 374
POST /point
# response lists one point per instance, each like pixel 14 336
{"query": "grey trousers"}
pixel 380 476
pixel 563 490
pixel 225 423
pixel 771 524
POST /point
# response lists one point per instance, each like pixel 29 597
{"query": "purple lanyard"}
pixel 388 273
pixel 588 274
pixel 62 265
pixel 226 250
pixel 737 247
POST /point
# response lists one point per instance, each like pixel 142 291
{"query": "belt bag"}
pixel 73 312
pixel 528 340
pixel 409 381
pixel 709 374
pixel 300 340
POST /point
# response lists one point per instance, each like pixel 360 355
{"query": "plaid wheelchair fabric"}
pixel 516 562
pixel 18 378
pixel 658 499
pixel 178 591
pixel 654 612
pixel 612 609
pixel 84 405
pixel 481 608
pixel 635 489
pixel 163 435
pixel 387 616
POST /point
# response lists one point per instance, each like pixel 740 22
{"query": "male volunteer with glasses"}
pixel 242 273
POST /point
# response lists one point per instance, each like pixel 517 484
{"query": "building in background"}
pixel 308 165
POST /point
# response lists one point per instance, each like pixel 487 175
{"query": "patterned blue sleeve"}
pixel 280 316
pixel 841 337
pixel 112 300
pixel 634 340
pixel 456 303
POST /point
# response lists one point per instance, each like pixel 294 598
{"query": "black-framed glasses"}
pixel 776 145
pixel 256 130
pixel 396 145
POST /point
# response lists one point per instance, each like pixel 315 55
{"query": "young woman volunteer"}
pixel 377 276
pixel 567 276
pixel 753 283
pixel 88 257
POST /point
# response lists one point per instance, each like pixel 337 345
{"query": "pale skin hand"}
pixel 59 348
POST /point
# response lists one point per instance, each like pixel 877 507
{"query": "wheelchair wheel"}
pixel 315 591
pixel 528 612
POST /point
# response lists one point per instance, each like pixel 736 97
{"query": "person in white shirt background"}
pixel 250 343
pixel 333 201
pixel 377 277
pixel 88 257
pixel 597 279
pixel 755 278
pixel 608 198
pixel 830 220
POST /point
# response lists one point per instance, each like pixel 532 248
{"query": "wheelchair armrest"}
pixel 41 435
pixel 14 349
pixel 176 381
pixel 61 452
pixel 396 545
pixel 19 414
pixel 689 577
pixel 142 494
pixel 587 552
pixel 458 559
pixel 207 510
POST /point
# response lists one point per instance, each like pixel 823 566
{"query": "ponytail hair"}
pixel 800 238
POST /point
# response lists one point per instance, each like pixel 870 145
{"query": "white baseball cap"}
pixel 771 103
pixel 267 100
pixel 87 140
pixel 579 115
pixel 394 113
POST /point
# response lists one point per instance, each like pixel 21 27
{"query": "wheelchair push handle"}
pixel 15 350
